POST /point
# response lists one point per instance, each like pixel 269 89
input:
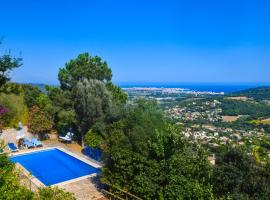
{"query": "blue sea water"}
pixel 203 87
pixel 53 166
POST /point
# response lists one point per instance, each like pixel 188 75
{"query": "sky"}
pixel 180 41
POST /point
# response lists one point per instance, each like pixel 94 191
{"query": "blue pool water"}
pixel 53 166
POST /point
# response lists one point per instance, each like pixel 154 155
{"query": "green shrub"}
pixel 92 139
pixel 39 121
pixel 17 110
pixel 12 88
pixel 53 193
pixel 9 182
pixel 65 119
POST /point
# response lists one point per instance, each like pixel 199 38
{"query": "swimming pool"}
pixel 53 166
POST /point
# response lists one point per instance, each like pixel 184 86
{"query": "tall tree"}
pixel 92 103
pixel 63 107
pixel 31 94
pixel 84 66
pixel 118 95
pixel 78 69
pixel 7 63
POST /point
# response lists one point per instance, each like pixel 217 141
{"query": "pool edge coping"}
pixel 38 183
pixel 30 176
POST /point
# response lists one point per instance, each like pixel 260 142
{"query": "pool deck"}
pixel 83 188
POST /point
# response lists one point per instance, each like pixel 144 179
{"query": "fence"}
pixel 27 182
pixel 114 193
pixel 26 179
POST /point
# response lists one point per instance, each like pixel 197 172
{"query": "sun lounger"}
pixel 36 142
pixel 12 147
pixel 67 137
pixel 27 143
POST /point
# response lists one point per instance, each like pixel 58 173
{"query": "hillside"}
pixel 259 93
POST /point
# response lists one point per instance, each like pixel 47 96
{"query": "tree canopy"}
pixel 237 175
pixel 39 121
pixel 7 63
pixel 149 157
pixel 92 103
pixel 84 66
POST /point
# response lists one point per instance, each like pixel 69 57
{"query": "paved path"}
pixel 84 189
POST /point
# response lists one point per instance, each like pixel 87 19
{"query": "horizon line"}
pixel 164 83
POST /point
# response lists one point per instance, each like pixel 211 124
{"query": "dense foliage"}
pixel 39 122
pixel 150 158
pixel 9 182
pixel 87 98
pixel 31 95
pixel 93 139
pixel 18 111
pixel 7 63
pixel 92 103
pixel 118 96
pixel 237 175
pixel 53 193
pixel 84 66
pixel 260 93
pixel 252 108
pixel 64 115
pixel 3 111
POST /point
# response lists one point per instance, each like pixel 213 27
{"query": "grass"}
pixel 261 122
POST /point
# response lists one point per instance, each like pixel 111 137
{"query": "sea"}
pixel 200 87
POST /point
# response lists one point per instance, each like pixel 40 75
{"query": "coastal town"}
pixel 165 93
pixel 204 121
pixel 210 118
